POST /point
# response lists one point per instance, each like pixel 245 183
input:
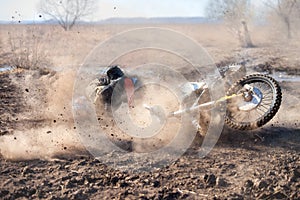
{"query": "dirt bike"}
pixel 250 101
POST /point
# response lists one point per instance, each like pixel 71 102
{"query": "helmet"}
pixel 114 72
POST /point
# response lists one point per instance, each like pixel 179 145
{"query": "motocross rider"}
pixel 114 79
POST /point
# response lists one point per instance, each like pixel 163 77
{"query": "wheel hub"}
pixel 252 98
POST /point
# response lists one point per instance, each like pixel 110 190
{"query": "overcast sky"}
pixel 27 9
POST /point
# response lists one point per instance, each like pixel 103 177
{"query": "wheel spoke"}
pixel 238 116
pixel 262 105
pixel 252 114
pixel 245 115
pixel 267 100
pixel 265 86
pixel 268 95
pixel 259 108
pixel 259 114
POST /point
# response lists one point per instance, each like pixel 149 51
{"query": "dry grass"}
pixel 49 45
pixel 24 49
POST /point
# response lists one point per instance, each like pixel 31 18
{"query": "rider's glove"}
pixel 104 81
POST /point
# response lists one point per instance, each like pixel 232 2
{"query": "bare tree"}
pixel 286 10
pixel 236 14
pixel 67 12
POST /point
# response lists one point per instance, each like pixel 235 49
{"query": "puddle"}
pixel 283 76
pixel 279 76
pixel 6 68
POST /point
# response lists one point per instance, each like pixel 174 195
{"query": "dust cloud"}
pixel 42 143
pixel 45 129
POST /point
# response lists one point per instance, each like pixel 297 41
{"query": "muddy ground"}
pixel 241 172
pixel 264 164
pixel 42 158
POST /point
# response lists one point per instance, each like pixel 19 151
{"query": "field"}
pixel 43 156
